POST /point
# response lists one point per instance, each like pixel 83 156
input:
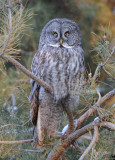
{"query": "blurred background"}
pixel 93 17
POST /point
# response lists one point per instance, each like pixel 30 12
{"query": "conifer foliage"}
pixel 93 137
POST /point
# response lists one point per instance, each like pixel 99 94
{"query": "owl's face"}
pixel 62 33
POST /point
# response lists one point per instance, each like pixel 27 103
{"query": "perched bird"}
pixel 59 62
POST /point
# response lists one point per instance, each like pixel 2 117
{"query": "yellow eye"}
pixel 67 34
pixel 55 34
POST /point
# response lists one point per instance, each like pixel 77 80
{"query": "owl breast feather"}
pixel 61 68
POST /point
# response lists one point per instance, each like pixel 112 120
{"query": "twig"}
pixel 113 50
pixel 106 72
pixel 77 148
pixel 94 140
pixel 35 151
pixel 101 65
pixel 18 21
pixel 27 72
pixel 16 125
pixel 17 142
pixel 10 13
pixel 11 30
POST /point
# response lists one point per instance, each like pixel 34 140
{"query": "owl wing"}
pixel 34 94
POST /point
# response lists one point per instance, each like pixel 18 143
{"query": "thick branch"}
pixel 27 72
pixel 109 125
pixel 94 140
pixel 58 150
pixel 17 142
pixel 89 112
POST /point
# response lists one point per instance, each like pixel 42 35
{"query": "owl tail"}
pixel 49 117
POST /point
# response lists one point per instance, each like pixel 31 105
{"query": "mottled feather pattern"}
pixel 34 107
pixel 62 67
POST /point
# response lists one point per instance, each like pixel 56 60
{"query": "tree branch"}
pixel 17 142
pixel 59 149
pixel 109 125
pixel 106 72
pixel 101 65
pixel 94 140
pixel 27 72
pixel 89 112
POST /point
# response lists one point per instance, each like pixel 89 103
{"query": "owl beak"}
pixel 61 41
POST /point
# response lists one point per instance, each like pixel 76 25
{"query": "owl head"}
pixel 60 33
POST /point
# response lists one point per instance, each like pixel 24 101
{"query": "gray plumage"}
pixel 59 61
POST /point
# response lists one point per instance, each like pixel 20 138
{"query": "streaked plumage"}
pixel 61 65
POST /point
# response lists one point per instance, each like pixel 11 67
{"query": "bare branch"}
pixel 89 112
pixel 109 125
pixel 94 140
pixel 10 13
pixel 16 125
pixel 30 150
pixel 27 72
pixel 106 72
pixel 17 142
pixel 85 137
pixel 59 149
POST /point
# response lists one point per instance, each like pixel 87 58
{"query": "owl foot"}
pixel 39 143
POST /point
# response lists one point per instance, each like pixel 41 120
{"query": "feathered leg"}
pixel 40 130
pixel 69 115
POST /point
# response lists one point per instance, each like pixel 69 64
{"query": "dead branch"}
pixel 94 140
pixel 17 142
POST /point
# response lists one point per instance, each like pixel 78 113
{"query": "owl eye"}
pixel 55 34
pixel 67 34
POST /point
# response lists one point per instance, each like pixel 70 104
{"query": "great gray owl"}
pixel 59 62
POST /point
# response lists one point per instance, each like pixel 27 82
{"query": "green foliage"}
pixel 14 86
pixel 104 44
